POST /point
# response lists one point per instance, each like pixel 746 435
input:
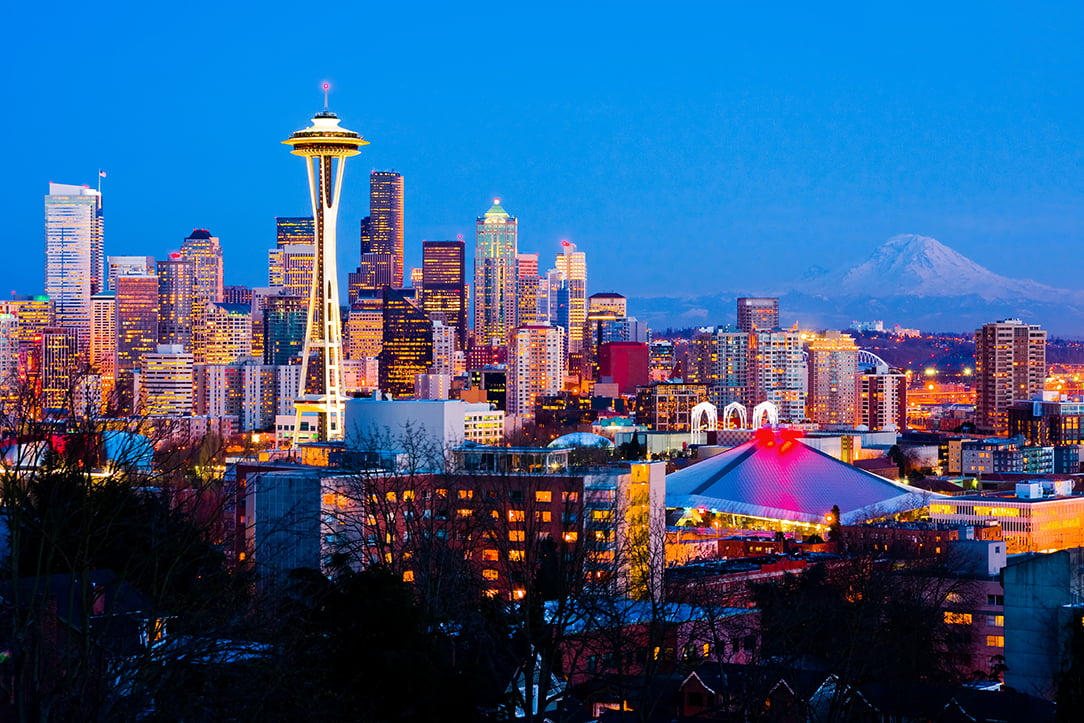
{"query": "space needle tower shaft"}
pixel 325 146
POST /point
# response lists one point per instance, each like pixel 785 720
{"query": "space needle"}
pixel 325 146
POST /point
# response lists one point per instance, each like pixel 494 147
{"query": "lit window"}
pixel 490 555
pixel 516 535
pixel 995 641
pixel 543 496
pixel 516 555
pixel 408 576
pixel 542 515
pixel 957 618
pixel 516 515
pixel 490 574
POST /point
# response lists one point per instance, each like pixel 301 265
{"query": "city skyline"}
pixel 826 143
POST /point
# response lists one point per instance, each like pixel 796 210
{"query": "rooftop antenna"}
pixel 326 87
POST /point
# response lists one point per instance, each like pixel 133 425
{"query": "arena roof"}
pixel 777 477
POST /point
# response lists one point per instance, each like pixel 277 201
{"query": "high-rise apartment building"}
pixel 536 366
pixel 386 220
pixel 176 289
pixel 882 398
pixel 166 382
pixel 778 372
pixel 721 359
pixel 833 379
pixel 572 265
pixel 365 328
pixel 444 285
pixel 407 344
pixel 495 276
pixel 289 264
pixel 9 350
pixel 758 314
pixel 1010 364
pixel 73 254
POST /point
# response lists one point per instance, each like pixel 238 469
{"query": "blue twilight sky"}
pixel 686 147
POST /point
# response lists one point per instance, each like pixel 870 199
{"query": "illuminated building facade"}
pixel 495 276
pixel 126 266
pixel 444 285
pixel 572 266
pixel 666 407
pixel 444 349
pixel 365 328
pixel 291 230
pixel 176 278
pixel 1010 364
pixel 73 254
pixel 530 311
pixel 166 382
pixel 103 333
pixel 758 314
pixel 626 364
pixel 778 372
pixel 228 333
pixel 536 366
pixel 833 379
pixel 9 350
pixel 721 359
pixel 386 222
pixel 283 328
pixel 325 146
pixel 406 346
pixel 1040 517
pixel 289 264
pixel 882 398
pixel 205 253
pixel 137 331
pixel 59 368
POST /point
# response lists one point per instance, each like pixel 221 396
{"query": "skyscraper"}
pixel 325 146
pixel 572 265
pixel 205 253
pixel 176 280
pixel 283 328
pixel 882 398
pixel 73 254
pixel 103 335
pixel 407 344
pixel 1010 365
pixel 833 379
pixel 386 220
pixel 495 276
pixel 529 308
pixel 137 332
pixel 444 288
pixel 536 366
pixel 758 314
pixel 289 264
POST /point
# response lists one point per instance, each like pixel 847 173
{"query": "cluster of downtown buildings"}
pixel 465 359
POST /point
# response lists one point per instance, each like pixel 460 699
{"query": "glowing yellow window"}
pixel 466 494
pixel 491 555
pixel 516 555
pixel 516 535
pixel 408 576
pixel 957 618
pixel 464 512
pixel 490 574
pixel 543 496
pixel 519 593
pixel 995 641
pixel 516 515
pixel 571 536
pixel 543 515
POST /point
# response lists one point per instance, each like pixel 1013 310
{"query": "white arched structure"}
pixel 703 418
pixel 739 409
pixel 762 410
pixel 869 360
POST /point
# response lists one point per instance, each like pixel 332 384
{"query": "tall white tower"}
pixel 325 147
pixel 73 254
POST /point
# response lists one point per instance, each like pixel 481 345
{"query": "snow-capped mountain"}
pixel 920 266
pixel 910 280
